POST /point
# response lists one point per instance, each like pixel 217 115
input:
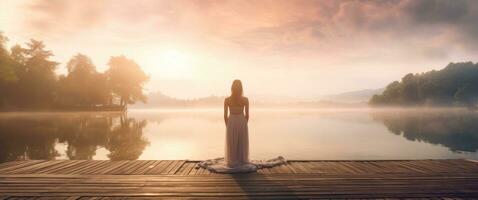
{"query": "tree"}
pixel 83 85
pixel 410 89
pixel 7 73
pixel 467 95
pixel 28 80
pixel 126 80
pixel 36 85
pixel 389 95
pixel 457 83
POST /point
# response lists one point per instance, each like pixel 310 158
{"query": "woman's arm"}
pixel 247 109
pixel 225 111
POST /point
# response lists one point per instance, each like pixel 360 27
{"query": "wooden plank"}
pixel 80 167
pixel 120 170
pixel 316 167
pixel 71 169
pixel 46 166
pixel 137 164
pixel 199 171
pixel 87 167
pixel 102 164
pixel 113 165
pixel 328 167
pixel 275 170
pixel 56 168
pixel 391 167
pixel 179 178
pixel 427 165
pixel 376 167
pixel 158 168
pixel 242 186
pixel 350 167
pixel 186 168
pixel 288 165
pixel 33 167
pixel 20 165
pixel 307 166
pixel 54 164
pixel 147 165
pixel 166 167
pixel 194 169
pixel 171 165
pixel 360 167
pixel 464 165
pixel 324 167
pixel 176 167
pixel 412 168
pixel 402 168
pixel 11 163
pixel 284 169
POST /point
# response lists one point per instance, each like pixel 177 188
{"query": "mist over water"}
pixel 197 134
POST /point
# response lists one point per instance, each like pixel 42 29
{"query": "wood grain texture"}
pixel 149 179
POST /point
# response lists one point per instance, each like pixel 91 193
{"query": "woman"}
pixel 236 117
pixel 237 138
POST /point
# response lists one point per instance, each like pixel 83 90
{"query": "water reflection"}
pixel 454 129
pixel 36 136
pixel 196 134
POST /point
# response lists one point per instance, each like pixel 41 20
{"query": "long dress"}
pixel 237 139
pixel 236 158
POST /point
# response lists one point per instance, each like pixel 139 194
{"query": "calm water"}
pixel 199 134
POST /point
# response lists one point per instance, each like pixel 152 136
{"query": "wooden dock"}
pixel 151 179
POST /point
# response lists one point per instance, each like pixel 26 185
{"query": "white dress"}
pixel 236 159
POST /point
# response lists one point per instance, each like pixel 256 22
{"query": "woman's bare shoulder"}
pixel 245 99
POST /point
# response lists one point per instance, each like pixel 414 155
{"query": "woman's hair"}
pixel 236 89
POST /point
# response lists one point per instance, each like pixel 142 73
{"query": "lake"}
pixel 195 134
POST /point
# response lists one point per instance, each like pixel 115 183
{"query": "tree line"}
pixel 28 80
pixel 454 85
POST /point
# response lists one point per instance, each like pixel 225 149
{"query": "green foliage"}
pixel 36 76
pixel 7 73
pixel 126 79
pixel 28 80
pixel 457 84
pixel 83 86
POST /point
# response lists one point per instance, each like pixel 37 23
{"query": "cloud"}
pixel 438 11
pixel 351 28
pixel 348 44
pixel 63 17
pixel 458 16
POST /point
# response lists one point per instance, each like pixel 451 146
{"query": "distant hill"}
pixel 358 96
pixel 158 99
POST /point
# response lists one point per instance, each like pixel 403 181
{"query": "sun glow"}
pixel 171 63
pixel 174 57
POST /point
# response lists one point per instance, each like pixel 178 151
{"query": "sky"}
pixel 300 49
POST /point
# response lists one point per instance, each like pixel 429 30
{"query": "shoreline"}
pixel 183 109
